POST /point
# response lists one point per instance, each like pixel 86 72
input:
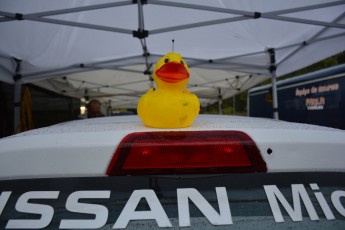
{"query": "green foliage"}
pixel 326 63
pixel 241 99
pixel 228 106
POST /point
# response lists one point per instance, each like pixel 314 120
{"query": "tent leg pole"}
pixel 220 107
pixel 17 95
pixel 234 104
pixel 273 69
pixel 220 101
pixel 17 100
pixel 275 96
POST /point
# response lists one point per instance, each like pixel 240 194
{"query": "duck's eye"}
pixel 166 60
pixel 182 62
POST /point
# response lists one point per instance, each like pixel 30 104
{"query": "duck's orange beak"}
pixel 172 72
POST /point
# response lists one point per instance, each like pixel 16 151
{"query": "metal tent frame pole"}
pixel 275 96
pixel 17 94
pixel 220 101
pixel 273 68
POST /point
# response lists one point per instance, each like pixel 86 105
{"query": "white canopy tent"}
pixel 107 49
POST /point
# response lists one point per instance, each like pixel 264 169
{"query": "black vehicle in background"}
pixel 314 98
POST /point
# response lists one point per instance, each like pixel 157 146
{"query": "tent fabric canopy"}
pixel 107 49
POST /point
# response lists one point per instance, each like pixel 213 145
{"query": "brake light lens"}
pixel 186 152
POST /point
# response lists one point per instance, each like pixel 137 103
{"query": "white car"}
pixel 222 172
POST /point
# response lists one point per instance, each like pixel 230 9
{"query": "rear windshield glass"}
pixel 251 201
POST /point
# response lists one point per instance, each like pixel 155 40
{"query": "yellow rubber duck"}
pixel 171 105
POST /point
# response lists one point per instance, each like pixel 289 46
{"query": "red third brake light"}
pixel 186 152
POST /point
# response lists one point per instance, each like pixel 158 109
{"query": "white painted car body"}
pixel 84 148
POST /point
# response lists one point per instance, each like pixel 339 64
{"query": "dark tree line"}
pixel 238 104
